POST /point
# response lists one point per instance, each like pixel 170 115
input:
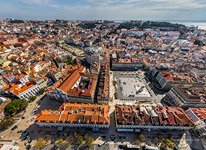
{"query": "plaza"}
pixel 131 86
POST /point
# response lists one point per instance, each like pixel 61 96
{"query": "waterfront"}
pixel 200 24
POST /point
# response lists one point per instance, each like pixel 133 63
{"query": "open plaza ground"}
pixel 131 86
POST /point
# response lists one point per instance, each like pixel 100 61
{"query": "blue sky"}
pixel 104 9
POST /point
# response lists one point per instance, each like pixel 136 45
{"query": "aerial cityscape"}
pixel 90 82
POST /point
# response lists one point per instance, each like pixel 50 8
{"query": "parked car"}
pixel 14 127
pixel 19 131
pixel 28 147
pixel 23 138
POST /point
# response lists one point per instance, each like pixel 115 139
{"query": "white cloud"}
pixel 178 4
pixel 38 2
pixel 113 9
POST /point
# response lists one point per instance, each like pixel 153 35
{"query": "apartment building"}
pixel 198 116
pixel 77 87
pixel 75 115
pixel 103 85
pixel 133 118
pixel 186 97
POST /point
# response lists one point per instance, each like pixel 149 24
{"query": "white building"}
pixel 94 54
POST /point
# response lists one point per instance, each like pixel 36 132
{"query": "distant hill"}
pixel 152 24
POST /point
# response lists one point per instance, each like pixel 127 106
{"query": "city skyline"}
pixel 104 9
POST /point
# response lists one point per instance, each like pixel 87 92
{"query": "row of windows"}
pixel 32 92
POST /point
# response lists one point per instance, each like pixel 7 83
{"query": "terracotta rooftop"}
pixel 85 87
pixel 76 113
pixel 103 88
pixel 168 75
pixel 18 88
pixel 134 115
pixel 200 112
pixel 192 94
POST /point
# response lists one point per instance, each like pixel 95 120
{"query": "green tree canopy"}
pixel 89 141
pixel 15 106
pixel 79 139
pixel 40 143
pixel 71 62
pixel 41 91
pixel 199 43
pixel 32 98
pixel 138 143
pixel 141 137
pixel 169 143
pixel 6 122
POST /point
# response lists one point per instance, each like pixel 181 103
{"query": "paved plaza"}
pixel 131 86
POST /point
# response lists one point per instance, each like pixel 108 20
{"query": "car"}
pixel 19 131
pixel 112 137
pixel 29 140
pixel 52 141
pixel 23 138
pixel 28 147
pixel 24 132
pixel 103 137
pixel 14 127
pixel 122 146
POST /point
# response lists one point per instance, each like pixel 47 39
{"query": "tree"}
pixel 6 122
pixel 199 43
pixel 67 143
pixel 163 146
pixel 89 141
pixel 38 43
pixel 160 138
pixel 138 143
pixel 169 143
pixel 15 106
pixel 40 143
pixel 60 143
pixel 141 137
pixel 41 91
pixel 71 62
pixel 32 98
pixel 79 140
pixel 156 140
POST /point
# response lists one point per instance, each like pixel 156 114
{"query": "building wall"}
pixel 63 97
pixel 29 92
pixel 176 99
pixel 103 101
pixel 192 115
pixel 72 125
pixel 153 127
pixel 125 66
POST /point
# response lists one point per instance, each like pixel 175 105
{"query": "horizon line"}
pixel 172 20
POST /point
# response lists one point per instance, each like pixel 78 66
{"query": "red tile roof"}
pixel 76 113
pixel 164 116
pixel 200 112
pixel 67 85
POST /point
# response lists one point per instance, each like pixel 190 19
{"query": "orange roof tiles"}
pixel 17 89
pixel 76 113
pixel 159 116
pixel 200 112
pixel 70 81
pixel 5 87
pixel 67 85
pixel 168 75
